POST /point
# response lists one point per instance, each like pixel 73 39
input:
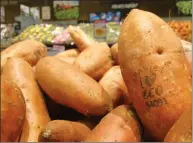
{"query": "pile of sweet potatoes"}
pixel 137 90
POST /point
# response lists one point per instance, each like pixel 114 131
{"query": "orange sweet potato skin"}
pixel 64 131
pixel 120 125
pixel 68 56
pixel 19 71
pixel 67 85
pixel 113 83
pixel 68 53
pixel 69 60
pixel 152 62
pixel 114 53
pixel 29 50
pixel 95 61
pixel 13 110
pixel 182 129
pixel 187 46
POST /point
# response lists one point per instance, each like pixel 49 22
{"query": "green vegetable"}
pixel 72 13
pixel 185 7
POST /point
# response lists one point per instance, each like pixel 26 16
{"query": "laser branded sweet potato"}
pixel 155 71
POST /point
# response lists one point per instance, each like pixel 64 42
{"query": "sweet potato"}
pixel 68 56
pixel 114 53
pixel 155 71
pixel 69 53
pixel 67 85
pixel 13 110
pixel 90 123
pixel 29 50
pixel 69 60
pixel 64 131
pixel 114 85
pixel 95 61
pixel 37 117
pixel 182 129
pixel 187 46
pixel 80 38
pixel 120 125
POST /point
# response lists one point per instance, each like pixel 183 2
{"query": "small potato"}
pixel 120 125
pixel 114 53
pixel 182 129
pixel 95 61
pixel 29 50
pixel 114 85
pixel 64 131
pixel 13 110
pixel 67 85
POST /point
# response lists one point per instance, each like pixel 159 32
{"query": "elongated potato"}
pixel 67 85
pixel 69 53
pixel 95 61
pixel 29 50
pixel 182 129
pixel 13 110
pixel 120 125
pixel 155 71
pixel 114 85
pixel 114 53
pixel 64 131
pixel 37 117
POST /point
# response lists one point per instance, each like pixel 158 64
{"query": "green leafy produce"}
pixel 72 13
pixel 185 7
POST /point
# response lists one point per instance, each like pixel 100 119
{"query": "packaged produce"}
pixel 44 33
pixel 61 38
pixel 152 62
pixel 19 71
pixel 113 30
pixel 29 50
pixel 13 110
